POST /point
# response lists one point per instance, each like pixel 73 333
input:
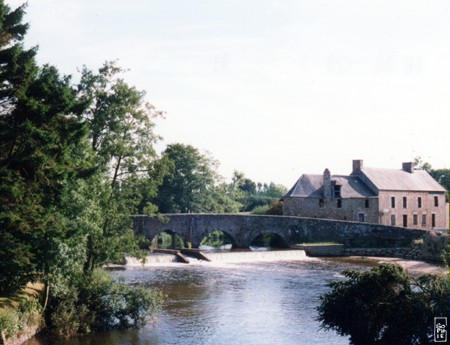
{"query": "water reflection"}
pixel 240 303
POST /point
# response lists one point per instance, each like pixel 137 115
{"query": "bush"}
pixel 261 209
pixel 9 322
pixel 14 320
pixel 98 302
pixel 384 306
pixel 70 317
pixel 276 208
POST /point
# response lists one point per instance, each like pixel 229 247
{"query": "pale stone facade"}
pixel 405 197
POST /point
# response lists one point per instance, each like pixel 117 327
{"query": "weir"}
pixel 241 256
pixel 151 260
pixel 272 255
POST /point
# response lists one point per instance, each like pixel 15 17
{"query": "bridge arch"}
pixel 269 239
pixel 219 236
pixel 167 239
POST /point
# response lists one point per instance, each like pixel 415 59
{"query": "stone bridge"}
pixel 243 229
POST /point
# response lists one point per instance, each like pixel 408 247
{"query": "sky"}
pixel 271 88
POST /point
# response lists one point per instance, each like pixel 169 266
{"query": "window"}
pixel 419 202
pixel 405 202
pixel 393 201
pixel 424 219
pixel 339 203
pixel 415 219
pixel 337 191
pixel 436 201
pixel 321 203
pixel 393 219
pixel 361 217
pixel 433 220
pixel 405 220
pixel 366 203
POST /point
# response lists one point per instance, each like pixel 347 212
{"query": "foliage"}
pixel 446 255
pixel 263 209
pixel 276 208
pixel 9 321
pixel 442 176
pixel 74 164
pixel 14 320
pixel 384 306
pixel 256 195
pixel 191 183
pixel 40 156
pixel 97 302
pixel 120 132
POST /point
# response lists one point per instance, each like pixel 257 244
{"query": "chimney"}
pixel 327 184
pixel 408 167
pixel 358 164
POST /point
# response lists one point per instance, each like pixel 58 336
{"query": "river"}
pixel 252 303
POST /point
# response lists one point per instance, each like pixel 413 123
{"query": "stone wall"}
pixel 328 208
pixel 430 249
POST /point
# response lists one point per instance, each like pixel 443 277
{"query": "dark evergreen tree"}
pixel 43 156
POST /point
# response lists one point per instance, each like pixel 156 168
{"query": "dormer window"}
pixel 337 191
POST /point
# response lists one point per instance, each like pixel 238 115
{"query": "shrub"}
pixel 98 302
pixel 70 317
pixel 14 320
pixel 384 306
pixel 261 209
pixel 9 322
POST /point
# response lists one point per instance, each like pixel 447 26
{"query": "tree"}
pixel 442 176
pixel 58 188
pixel 255 195
pixel 120 128
pixel 41 157
pixel 419 163
pixel 384 306
pixel 191 183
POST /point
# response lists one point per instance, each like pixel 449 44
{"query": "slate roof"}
pixel 312 186
pixel 400 180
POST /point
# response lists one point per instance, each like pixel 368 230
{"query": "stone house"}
pixel 400 197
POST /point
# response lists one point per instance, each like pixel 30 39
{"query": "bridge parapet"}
pixel 193 227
